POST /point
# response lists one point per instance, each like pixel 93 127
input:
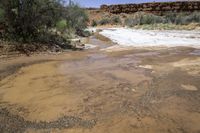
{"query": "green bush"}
pixel 189 18
pixel 1 15
pixel 182 18
pixel 131 22
pixel 104 21
pixel 83 33
pixel 53 39
pixel 172 18
pixel 194 17
pixel 151 19
pixel 115 20
pixel 30 21
pixel 94 23
pixel 76 17
pixel 61 25
pixel 142 19
pixel 26 19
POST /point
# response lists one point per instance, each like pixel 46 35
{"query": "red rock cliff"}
pixel 156 7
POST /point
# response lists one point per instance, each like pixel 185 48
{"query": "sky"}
pixel 97 3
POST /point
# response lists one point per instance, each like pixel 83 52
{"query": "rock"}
pixel 155 7
pixel 126 89
pixel 189 87
pixel 146 66
pixel 134 90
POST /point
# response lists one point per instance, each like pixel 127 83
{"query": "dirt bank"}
pixel 140 90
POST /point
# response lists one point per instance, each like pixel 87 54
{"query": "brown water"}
pixel 120 92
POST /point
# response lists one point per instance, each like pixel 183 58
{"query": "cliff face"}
pixel 187 6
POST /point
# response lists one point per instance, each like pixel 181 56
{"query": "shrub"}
pixel 115 20
pixel 131 22
pixel 94 23
pixel 173 18
pixel 1 15
pixel 61 25
pixel 76 17
pixel 83 33
pixel 53 39
pixel 194 17
pixel 143 18
pixel 170 17
pixel 25 19
pixel 183 18
pixel 104 21
pixel 151 19
pixel 30 21
pixel 191 18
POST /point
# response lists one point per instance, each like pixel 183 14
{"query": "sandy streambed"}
pixel 152 38
pixel 138 90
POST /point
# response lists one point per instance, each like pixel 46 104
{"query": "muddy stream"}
pixel 133 90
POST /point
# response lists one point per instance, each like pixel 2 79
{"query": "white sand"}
pixel 149 38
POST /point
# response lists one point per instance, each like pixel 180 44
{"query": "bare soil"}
pixel 136 90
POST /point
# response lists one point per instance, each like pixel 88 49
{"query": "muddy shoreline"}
pixel 5 72
pixel 15 123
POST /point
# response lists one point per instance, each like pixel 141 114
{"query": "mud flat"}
pixel 131 90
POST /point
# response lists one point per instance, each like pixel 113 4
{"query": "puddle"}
pixel 195 52
pixel 89 46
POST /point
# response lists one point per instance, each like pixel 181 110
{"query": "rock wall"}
pixel 156 7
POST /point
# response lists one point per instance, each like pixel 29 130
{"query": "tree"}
pixel 37 22
pixel 76 17
pixel 26 19
pixel 1 14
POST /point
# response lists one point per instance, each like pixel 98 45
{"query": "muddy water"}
pixel 93 91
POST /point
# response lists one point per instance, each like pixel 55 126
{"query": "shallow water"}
pixel 195 52
pixel 93 91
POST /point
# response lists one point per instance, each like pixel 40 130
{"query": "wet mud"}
pixel 136 90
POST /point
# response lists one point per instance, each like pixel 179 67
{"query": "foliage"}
pixel 104 21
pixel 1 15
pixel 151 19
pixel 84 33
pixel 41 23
pixel 115 20
pixel 94 23
pixel 61 25
pixel 131 22
pixel 26 19
pixel 52 39
pixel 184 18
pixel 168 18
pixel 76 17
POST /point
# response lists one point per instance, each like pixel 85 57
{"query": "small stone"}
pixel 189 87
pixel 134 90
pixel 126 88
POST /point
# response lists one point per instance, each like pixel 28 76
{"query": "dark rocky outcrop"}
pixel 156 7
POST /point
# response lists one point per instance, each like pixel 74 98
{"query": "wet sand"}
pixel 133 90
